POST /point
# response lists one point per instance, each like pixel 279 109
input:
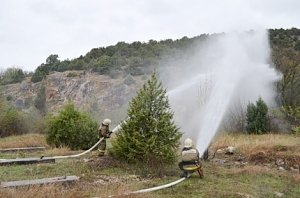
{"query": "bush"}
pixel 296 130
pixel 235 121
pixel 35 122
pixel 12 75
pixel 72 128
pixel 257 117
pixel 292 113
pixel 38 76
pixel 279 122
pixel 73 74
pixel 12 121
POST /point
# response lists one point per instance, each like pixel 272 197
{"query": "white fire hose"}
pixel 117 128
pixel 80 154
pixel 159 187
pixel 76 155
pixel 153 188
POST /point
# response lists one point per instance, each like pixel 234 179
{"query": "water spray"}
pixel 238 67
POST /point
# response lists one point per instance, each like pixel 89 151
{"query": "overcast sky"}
pixel 31 30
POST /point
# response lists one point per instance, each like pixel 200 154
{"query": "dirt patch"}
pixel 276 158
pixel 283 158
pixel 108 179
pixel 104 161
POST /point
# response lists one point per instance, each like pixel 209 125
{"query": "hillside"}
pixel 96 94
pixel 139 58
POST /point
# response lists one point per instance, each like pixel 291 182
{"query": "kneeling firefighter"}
pixel 190 160
pixel 103 133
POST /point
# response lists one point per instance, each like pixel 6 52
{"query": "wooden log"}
pixel 25 149
pixel 22 161
pixel 64 179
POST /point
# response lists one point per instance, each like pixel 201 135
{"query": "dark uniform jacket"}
pixel 104 131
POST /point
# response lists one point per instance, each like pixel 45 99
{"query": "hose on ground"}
pixel 154 188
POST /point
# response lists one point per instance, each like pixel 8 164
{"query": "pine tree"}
pixel 262 116
pixel 257 117
pixel 149 135
pixel 40 100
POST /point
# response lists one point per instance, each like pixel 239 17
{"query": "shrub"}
pixel 35 122
pixel 12 121
pixel 73 74
pixel 72 128
pixel 12 75
pixel 296 130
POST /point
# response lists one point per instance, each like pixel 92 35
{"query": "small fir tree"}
pixel 257 117
pixel 149 135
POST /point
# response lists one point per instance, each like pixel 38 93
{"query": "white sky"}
pixel 31 30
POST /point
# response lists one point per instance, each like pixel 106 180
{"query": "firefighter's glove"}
pixel 108 134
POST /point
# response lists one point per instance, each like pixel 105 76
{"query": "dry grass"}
pixel 251 169
pixel 60 151
pixel 296 178
pixel 252 143
pixel 49 191
pixel 31 140
pixel 78 190
pixel 27 140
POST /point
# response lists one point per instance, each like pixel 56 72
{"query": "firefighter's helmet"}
pixel 106 122
pixel 188 142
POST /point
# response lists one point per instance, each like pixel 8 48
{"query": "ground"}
pixel 260 166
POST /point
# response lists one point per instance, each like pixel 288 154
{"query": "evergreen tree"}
pixel 149 135
pixel 257 117
pixel 40 99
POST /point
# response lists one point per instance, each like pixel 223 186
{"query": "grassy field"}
pixel 102 177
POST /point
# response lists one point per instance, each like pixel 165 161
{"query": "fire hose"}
pixel 153 188
pixel 85 152
pixel 159 187
pixel 76 155
pixel 80 154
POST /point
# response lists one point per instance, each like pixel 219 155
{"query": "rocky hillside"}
pixel 99 95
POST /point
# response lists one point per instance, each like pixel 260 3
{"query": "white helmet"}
pixel 188 143
pixel 106 122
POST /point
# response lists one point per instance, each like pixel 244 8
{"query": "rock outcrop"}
pixel 90 92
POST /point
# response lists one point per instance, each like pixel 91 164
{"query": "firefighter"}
pixel 189 156
pixel 103 133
